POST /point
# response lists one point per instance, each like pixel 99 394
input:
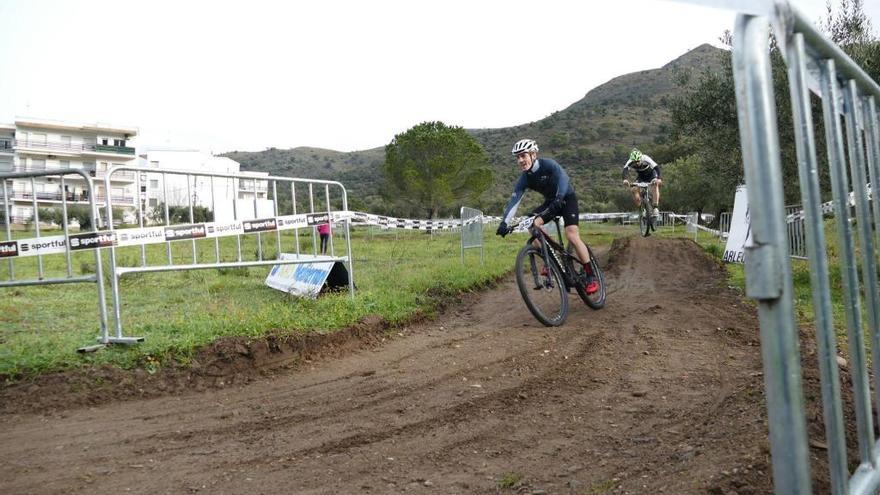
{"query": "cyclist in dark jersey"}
pixel 548 178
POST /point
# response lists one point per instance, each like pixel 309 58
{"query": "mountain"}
pixel 591 139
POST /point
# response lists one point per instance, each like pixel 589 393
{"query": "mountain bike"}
pixel 546 272
pixel 646 217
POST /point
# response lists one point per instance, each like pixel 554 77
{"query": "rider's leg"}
pixel 636 197
pixel 655 198
pixel 573 235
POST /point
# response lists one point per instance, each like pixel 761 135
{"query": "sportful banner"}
pixel 138 236
pixel 740 228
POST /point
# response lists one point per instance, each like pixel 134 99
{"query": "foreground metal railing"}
pixel 817 64
pixel 25 255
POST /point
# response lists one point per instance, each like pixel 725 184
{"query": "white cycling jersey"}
pixel 645 163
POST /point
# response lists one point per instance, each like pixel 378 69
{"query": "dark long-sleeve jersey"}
pixel 547 177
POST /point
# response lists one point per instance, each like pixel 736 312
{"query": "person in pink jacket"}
pixel 324 231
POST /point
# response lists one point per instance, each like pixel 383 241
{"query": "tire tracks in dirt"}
pixel 659 392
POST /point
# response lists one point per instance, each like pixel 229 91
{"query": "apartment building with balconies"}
pixel 226 197
pixel 38 145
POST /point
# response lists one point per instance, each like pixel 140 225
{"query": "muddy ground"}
pixel 660 392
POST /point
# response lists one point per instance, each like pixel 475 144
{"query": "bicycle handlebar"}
pixel 641 184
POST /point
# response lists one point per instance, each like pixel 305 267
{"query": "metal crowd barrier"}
pixel 23 247
pixel 471 231
pixel 817 64
pixel 249 217
pixel 797 240
pixel 724 225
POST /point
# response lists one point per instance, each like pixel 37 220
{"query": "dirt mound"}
pixel 225 362
pixel 660 392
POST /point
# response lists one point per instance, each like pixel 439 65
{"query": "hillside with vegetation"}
pixel 591 138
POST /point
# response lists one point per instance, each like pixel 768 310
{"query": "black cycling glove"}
pixel 503 230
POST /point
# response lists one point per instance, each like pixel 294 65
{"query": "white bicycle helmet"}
pixel 524 145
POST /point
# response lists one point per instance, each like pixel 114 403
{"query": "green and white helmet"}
pixel 635 155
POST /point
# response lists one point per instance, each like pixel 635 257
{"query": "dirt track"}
pixel 659 392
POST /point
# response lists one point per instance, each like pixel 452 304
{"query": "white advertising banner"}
pixel 740 228
pixel 303 279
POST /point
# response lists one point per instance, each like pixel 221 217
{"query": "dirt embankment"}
pixel 660 392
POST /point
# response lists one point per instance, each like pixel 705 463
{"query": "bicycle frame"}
pixel 645 201
pixel 550 249
pixel 644 190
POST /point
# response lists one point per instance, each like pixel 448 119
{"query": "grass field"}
pixel 399 274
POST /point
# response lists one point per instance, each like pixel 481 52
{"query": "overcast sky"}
pixel 338 74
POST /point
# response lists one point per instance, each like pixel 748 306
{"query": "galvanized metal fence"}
pixel 471 230
pixel 251 216
pixel 797 240
pixel 724 225
pixel 846 91
pixel 19 249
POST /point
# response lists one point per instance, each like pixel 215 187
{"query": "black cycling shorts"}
pixel 646 175
pixel 568 212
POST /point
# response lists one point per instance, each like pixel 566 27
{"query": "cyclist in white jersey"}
pixel 647 170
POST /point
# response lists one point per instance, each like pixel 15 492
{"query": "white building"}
pixel 246 197
pixel 37 145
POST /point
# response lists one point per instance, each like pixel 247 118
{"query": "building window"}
pixel 37 139
pixel 119 142
pixel 64 163
pixel 105 141
pixel 65 142
pixel 38 164
pixel 154 183
pixel 154 202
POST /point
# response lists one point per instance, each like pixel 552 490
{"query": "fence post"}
pixel 768 269
pixel 826 340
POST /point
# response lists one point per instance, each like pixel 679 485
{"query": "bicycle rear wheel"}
pixel 595 300
pixel 541 287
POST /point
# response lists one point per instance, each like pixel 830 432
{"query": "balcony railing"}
pixel 121 176
pixel 73 148
pixel 249 187
pixel 73 197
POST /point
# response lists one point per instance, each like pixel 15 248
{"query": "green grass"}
pixel 509 480
pixel 399 275
pixel 802 288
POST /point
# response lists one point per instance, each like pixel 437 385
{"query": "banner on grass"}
pixel 301 279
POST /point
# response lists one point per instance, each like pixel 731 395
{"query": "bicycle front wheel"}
pixel 644 219
pixel 541 287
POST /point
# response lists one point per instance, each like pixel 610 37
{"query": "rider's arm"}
pixel 518 190
pixel 626 169
pixel 562 183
